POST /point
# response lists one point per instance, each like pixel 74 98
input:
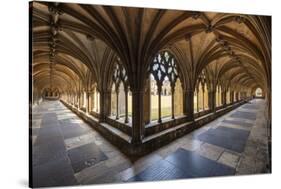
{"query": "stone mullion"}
pixel 159 88
pixel 173 101
pixel 203 97
pixel 117 103
pixel 94 107
pixel 79 96
pixel 73 99
pixel 197 100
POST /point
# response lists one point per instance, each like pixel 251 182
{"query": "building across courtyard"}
pixel 124 94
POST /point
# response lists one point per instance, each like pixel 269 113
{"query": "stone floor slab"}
pixel 85 156
pixel 240 123
pixel 229 159
pixel 229 138
pixel 244 115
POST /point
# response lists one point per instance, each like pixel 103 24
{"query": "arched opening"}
pixel 200 96
pixel 95 104
pixel 121 105
pixel 206 97
pixel 218 96
pixel 51 94
pixel 258 92
pixel 195 101
pixel 166 99
pixel 84 99
pixel 164 86
pixel 228 96
pixel 178 99
pixel 121 98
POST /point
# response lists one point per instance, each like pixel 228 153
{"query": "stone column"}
pixel 73 99
pixel 224 98
pixel 104 105
pixel 126 105
pixel 188 104
pixel 78 99
pixel 90 101
pixel 146 102
pixel 137 116
pixel 87 102
pixel 212 100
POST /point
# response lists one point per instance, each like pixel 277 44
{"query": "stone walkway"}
pixel 66 151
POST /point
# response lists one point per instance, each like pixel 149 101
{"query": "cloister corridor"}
pixel 122 94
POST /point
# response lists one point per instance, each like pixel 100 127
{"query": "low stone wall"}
pixel 95 114
pixel 121 126
pixel 152 143
pixel 167 132
pixel 202 113
pixel 105 132
pixel 154 128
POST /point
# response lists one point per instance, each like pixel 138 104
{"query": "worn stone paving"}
pixel 66 151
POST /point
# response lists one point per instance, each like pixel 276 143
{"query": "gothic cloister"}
pixel 125 94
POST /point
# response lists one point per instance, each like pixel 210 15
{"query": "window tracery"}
pixel 164 72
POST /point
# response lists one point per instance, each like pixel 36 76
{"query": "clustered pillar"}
pixel 137 116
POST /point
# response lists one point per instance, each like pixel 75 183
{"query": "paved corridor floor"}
pixel 67 151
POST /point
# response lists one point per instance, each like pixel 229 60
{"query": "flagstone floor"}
pixel 67 151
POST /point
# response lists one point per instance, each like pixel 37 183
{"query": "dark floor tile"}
pixel 45 151
pixel 49 120
pixel 229 138
pixel 48 133
pixel 162 170
pixel 250 106
pixel 244 115
pixel 191 163
pixel 240 123
pixel 183 164
pixel 85 156
pixel 73 130
pixel 222 170
pixel 54 173
pixel 197 166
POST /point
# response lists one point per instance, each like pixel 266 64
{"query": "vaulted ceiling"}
pixel 75 45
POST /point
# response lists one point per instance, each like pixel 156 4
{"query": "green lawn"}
pixel 154 113
pixel 164 113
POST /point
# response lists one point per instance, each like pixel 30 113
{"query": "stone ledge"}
pixel 115 136
pixel 123 141
pixel 121 126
